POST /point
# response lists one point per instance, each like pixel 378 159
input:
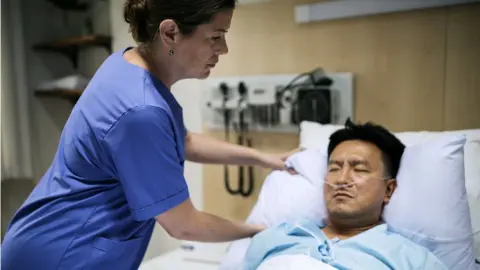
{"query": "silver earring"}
pixel 171 52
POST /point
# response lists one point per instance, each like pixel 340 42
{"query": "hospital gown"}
pixel 375 249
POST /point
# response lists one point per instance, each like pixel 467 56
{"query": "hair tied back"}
pixel 136 12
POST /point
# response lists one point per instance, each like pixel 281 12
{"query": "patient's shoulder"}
pixel 286 231
pixel 385 234
pixel 416 250
pixel 394 235
pixel 384 242
pixel 270 232
pixel 285 226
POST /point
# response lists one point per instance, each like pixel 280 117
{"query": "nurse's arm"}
pixel 204 149
pixel 184 222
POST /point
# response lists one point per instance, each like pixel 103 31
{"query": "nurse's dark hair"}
pixel 144 16
pixel 392 148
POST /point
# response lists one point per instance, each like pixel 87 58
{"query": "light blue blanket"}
pixel 375 249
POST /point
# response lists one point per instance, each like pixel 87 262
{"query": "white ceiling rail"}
pixel 341 9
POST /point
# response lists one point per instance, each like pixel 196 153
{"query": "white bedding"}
pixel 316 137
pixel 294 262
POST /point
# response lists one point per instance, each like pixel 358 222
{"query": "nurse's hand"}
pixel 277 161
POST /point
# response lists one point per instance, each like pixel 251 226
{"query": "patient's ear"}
pixel 391 185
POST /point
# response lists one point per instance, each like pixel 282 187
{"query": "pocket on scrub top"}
pixel 113 254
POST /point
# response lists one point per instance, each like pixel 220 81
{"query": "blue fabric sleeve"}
pixel 143 149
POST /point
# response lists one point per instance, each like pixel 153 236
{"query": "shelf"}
pixel 71 5
pixel 71 95
pixel 76 42
pixel 71 46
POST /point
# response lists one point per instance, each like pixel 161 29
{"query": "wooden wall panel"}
pixel 398 61
pixel 462 91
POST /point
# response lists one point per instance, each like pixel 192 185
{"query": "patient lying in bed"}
pixel 363 163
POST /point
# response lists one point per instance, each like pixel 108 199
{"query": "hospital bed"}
pixel 190 255
pixel 225 256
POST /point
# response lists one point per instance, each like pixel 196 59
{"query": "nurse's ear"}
pixel 168 32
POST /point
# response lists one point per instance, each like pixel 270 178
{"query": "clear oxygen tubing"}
pixel 356 179
pixel 351 176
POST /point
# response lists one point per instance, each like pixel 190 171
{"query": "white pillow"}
pixel 316 136
pixel 472 182
pixel 284 198
pixel 430 205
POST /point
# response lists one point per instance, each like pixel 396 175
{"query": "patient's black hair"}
pixel 392 148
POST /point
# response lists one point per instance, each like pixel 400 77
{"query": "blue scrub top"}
pixel 119 163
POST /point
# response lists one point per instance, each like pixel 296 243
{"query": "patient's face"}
pixel 356 169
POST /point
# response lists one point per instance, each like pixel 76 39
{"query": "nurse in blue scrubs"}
pixel 120 160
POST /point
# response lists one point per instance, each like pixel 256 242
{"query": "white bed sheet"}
pixel 294 262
